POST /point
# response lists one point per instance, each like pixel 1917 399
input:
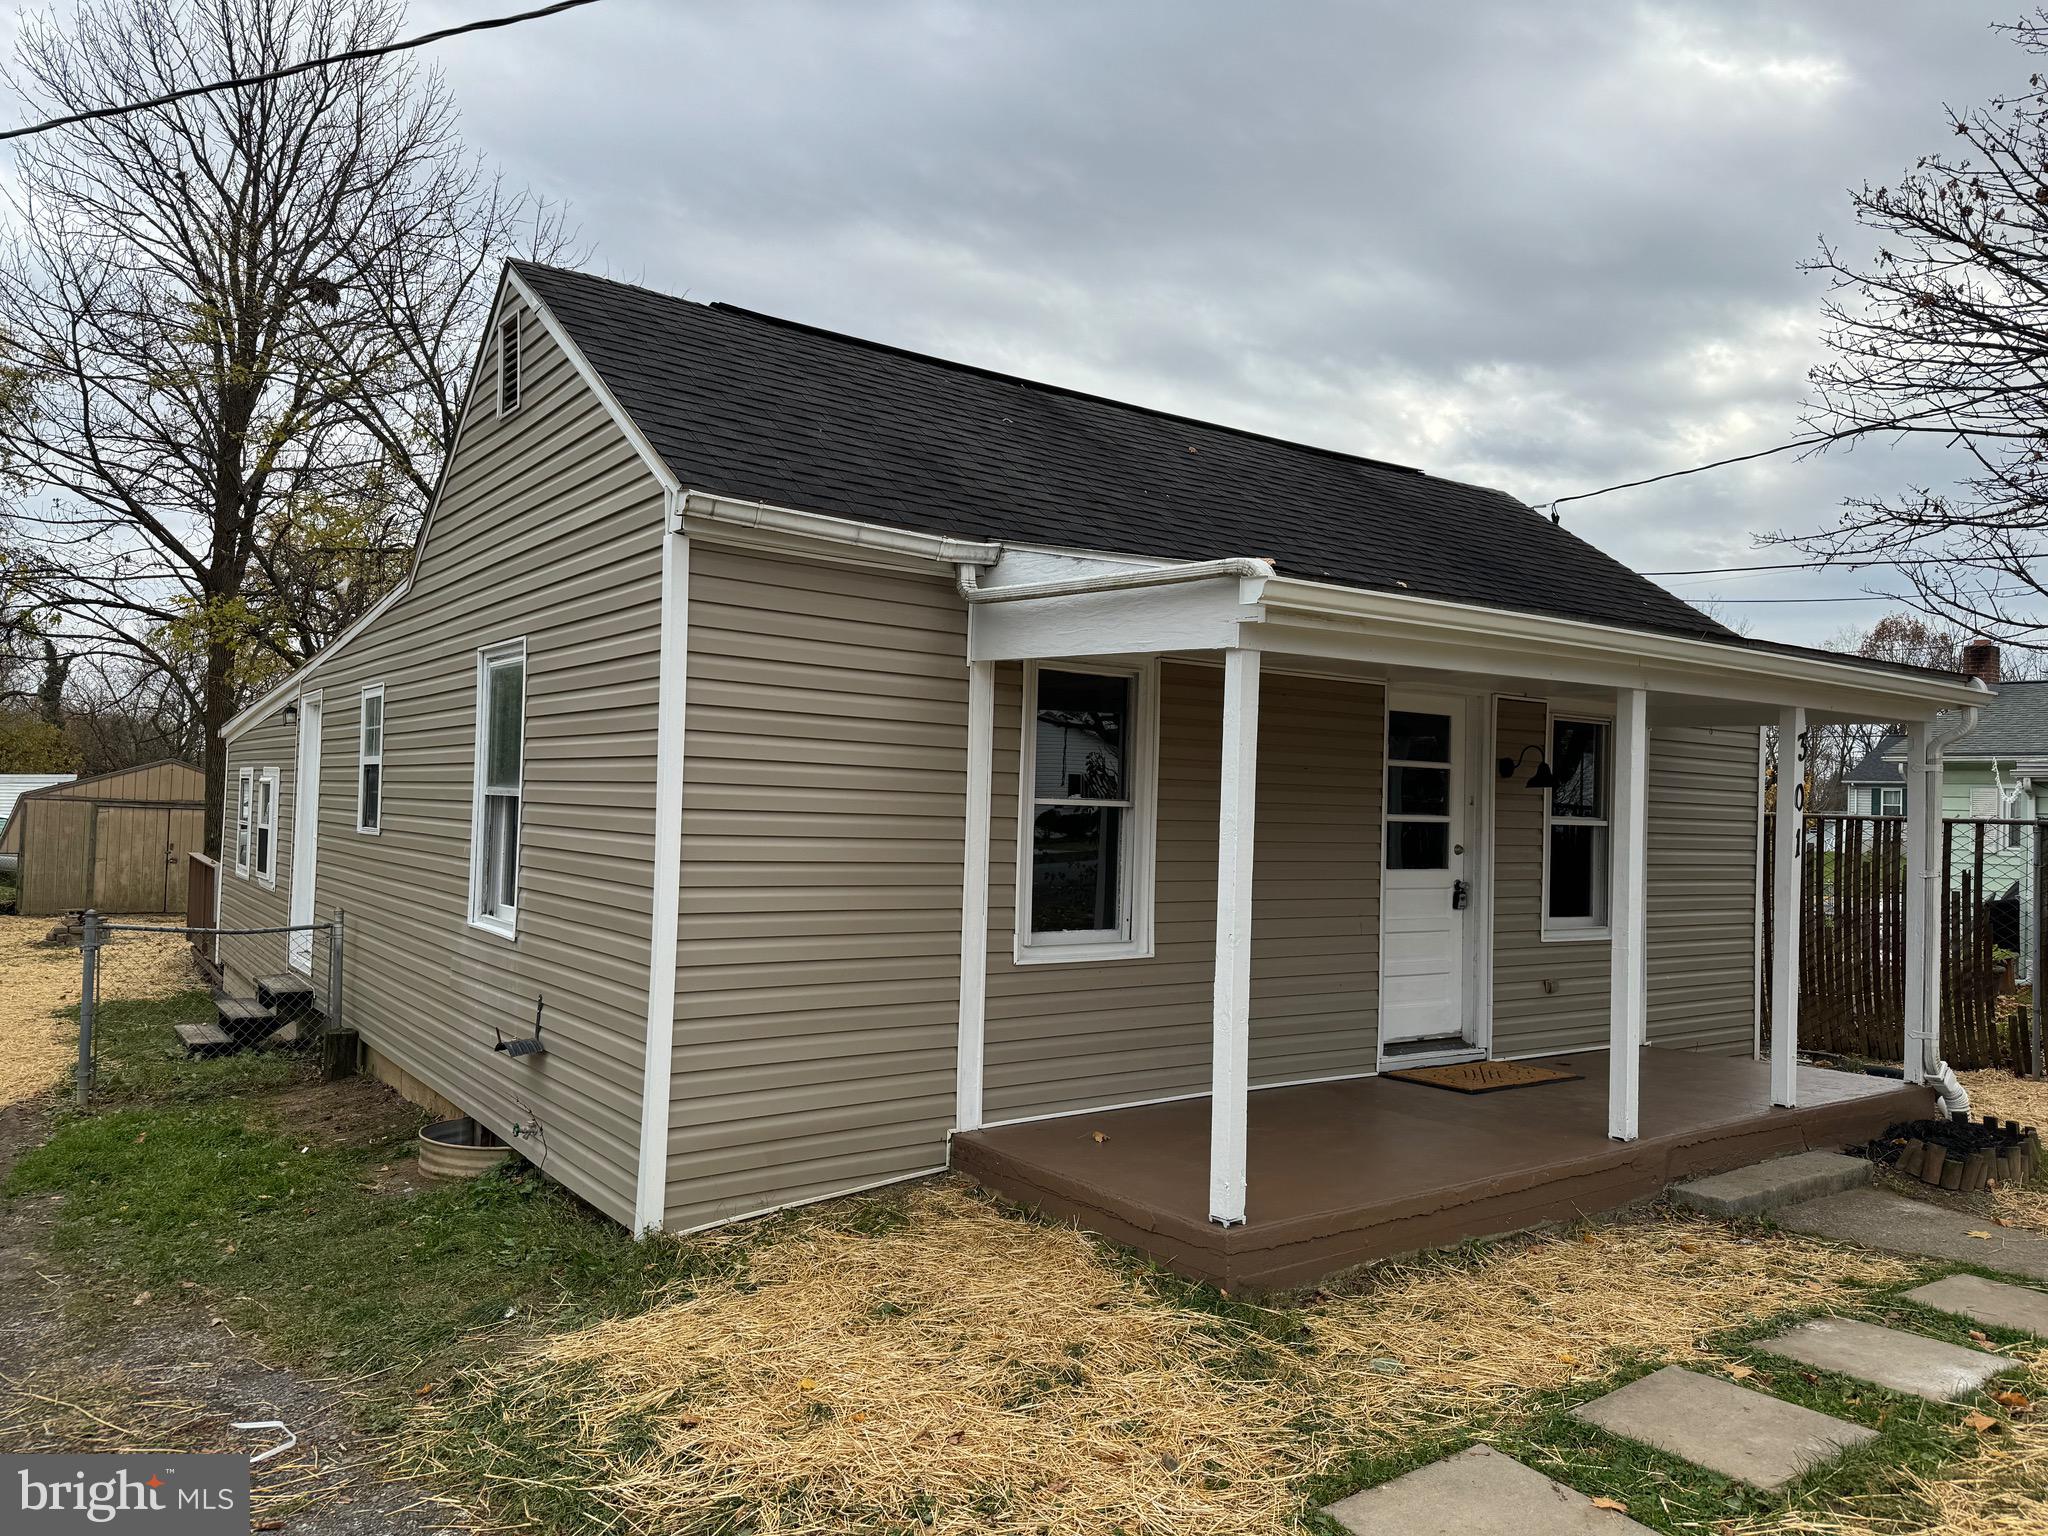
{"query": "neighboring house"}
pixel 12 787
pixel 852 752
pixel 1990 768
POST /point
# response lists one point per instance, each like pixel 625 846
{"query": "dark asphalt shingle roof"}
pixel 744 405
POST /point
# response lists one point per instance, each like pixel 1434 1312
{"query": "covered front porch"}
pixel 1348 1172
pixel 1140 1073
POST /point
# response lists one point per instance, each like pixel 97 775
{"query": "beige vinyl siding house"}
pixel 855 768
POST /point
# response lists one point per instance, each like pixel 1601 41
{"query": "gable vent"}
pixel 508 365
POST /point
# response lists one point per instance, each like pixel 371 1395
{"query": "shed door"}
pixel 131 846
pixel 188 836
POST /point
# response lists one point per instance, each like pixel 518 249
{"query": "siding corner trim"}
pixel 650 1195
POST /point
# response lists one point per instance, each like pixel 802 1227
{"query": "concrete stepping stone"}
pixel 1888 1357
pixel 1878 1219
pixel 1775 1182
pixel 1478 1492
pixel 1990 1302
pixel 1749 1436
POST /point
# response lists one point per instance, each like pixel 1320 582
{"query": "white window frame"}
pixel 511 357
pixel 1888 800
pixel 266 800
pixel 1132 940
pixel 503 922
pixel 1577 930
pixel 245 821
pixel 366 759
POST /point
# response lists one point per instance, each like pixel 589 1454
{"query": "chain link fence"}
pixel 154 992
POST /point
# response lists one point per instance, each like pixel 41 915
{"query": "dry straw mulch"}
pixel 970 1371
pixel 39 980
pixel 2024 1100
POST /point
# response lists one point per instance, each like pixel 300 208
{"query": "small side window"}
pixel 1575 863
pixel 508 365
pixel 244 808
pixel 500 769
pixel 266 827
pixel 370 761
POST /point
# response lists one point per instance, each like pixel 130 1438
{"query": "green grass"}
pixel 137 1058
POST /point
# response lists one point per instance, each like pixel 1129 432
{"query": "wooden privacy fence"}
pixel 1852 954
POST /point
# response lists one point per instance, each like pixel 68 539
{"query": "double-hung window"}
pixel 1085 870
pixel 245 805
pixel 1890 802
pixel 500 752
pixel 370 761
pixel 265 822
pixel 1575 855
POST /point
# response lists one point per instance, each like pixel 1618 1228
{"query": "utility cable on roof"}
pixel 488 24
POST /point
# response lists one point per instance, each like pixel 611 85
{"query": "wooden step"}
pixel 286 988
pixel 206 1040
pixel 244 1019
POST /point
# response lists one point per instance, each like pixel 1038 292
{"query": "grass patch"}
pixel 137 1058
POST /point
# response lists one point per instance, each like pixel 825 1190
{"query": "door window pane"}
pixel 1083 725
pixel 1419 791
pixel 1418 845
pixel 1076 864
pixel 1416 737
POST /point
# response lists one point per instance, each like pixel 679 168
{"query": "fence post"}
pixel 89 955
pixel 334 943
pixel 2039 981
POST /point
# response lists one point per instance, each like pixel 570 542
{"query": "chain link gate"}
pixel 159 983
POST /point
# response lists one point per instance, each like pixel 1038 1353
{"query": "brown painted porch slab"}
pixel 1340 1174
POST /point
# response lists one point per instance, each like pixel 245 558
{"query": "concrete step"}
pixel 205 1040
pixel 1710 1421
pixel 1478 1492
pixel 1774 1183
pixel 1990 1302
pixel 1876 1218
pixel 1888 1357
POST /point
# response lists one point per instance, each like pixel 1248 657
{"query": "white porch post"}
pixel 1924 894
pixel 1628 909
pixel 1790 833
pixel 981 712
pixel 1230 1054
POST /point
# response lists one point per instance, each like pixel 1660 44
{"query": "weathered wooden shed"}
pixel 116 841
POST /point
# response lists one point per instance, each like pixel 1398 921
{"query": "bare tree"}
pixel 1942 332
pixel 237 319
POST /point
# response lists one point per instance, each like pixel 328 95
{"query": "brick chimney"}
pixel 1980 659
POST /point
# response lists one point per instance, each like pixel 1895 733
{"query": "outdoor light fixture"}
pixel 291 716
pixel 1542 778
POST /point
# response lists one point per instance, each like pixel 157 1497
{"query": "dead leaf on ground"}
pixel 1985 1236
pixel 1983 1423
pixel 1614 1504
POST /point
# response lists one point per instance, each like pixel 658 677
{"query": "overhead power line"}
pixel 1803 565
pixel 488 24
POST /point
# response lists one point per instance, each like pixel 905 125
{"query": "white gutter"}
pixel 941 548
pixel 1244 568
pixel 1435 618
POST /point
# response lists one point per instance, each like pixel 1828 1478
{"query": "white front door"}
pixel 305 832
pixel 1426 891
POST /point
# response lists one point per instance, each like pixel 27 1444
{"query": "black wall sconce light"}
pixel 1542 778
pixel 290 717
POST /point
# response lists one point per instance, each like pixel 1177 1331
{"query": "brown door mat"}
pixel 1484 1076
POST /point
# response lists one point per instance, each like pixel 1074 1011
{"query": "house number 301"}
pixel 1799 789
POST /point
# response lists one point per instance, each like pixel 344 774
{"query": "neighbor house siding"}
pixel 824 806
pixel 549 528
pixel 1552 995
pixel 1063 1037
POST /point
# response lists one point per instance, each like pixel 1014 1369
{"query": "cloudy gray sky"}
pixel 1543 247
